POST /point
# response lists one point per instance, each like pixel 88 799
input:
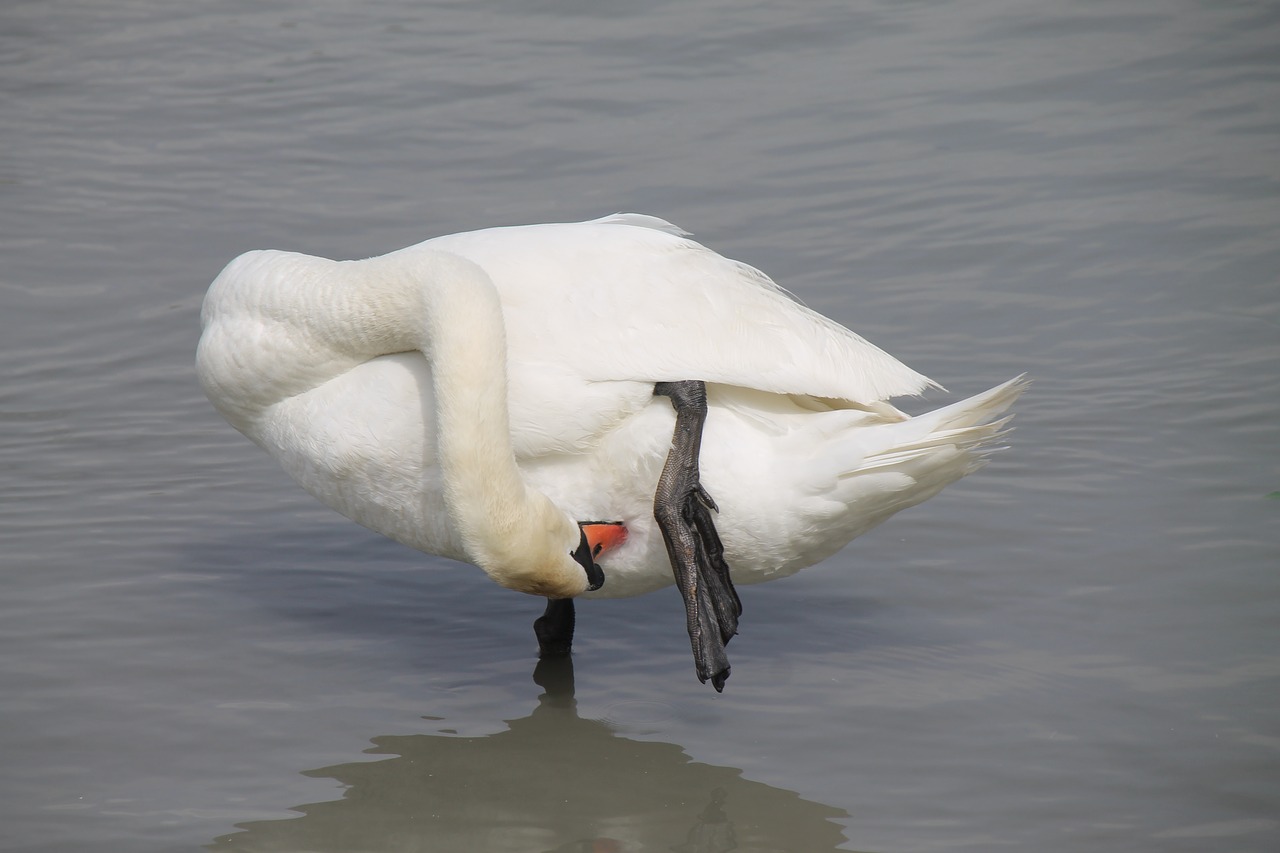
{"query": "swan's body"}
pixel 322 364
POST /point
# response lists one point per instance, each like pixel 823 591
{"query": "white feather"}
pixel 309 358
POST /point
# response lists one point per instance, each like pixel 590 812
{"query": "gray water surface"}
pixel 1075 649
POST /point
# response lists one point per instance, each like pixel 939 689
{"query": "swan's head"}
pixel 597 538
pixel 555 558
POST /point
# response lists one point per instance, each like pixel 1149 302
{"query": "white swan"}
pixel 480 395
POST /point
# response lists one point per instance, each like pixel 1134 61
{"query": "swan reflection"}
pixel 552 782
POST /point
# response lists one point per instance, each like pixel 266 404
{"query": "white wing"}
pixel 628 298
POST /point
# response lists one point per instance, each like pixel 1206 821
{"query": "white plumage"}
pixel 379 386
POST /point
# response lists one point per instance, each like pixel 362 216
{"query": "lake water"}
pixel 1077 648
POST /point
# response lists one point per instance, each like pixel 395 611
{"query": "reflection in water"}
pixel 552 782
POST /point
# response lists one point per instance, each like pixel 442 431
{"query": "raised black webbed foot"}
pixel 683 510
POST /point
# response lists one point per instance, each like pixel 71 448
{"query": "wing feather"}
pixel 631 298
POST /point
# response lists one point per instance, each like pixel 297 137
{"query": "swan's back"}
pixel 629 298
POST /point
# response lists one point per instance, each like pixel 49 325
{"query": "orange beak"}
pixel 604 536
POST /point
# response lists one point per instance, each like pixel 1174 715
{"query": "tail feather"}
pixel 970 425
pixel 975 410
pixel 888 467
pixel 857 467
pixel 973 438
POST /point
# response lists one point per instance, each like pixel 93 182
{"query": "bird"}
pixel 582 410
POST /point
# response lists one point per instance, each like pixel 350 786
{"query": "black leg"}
pixel 683 512
pixel 554 628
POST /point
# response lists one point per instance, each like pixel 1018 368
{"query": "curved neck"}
pixel 448 308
